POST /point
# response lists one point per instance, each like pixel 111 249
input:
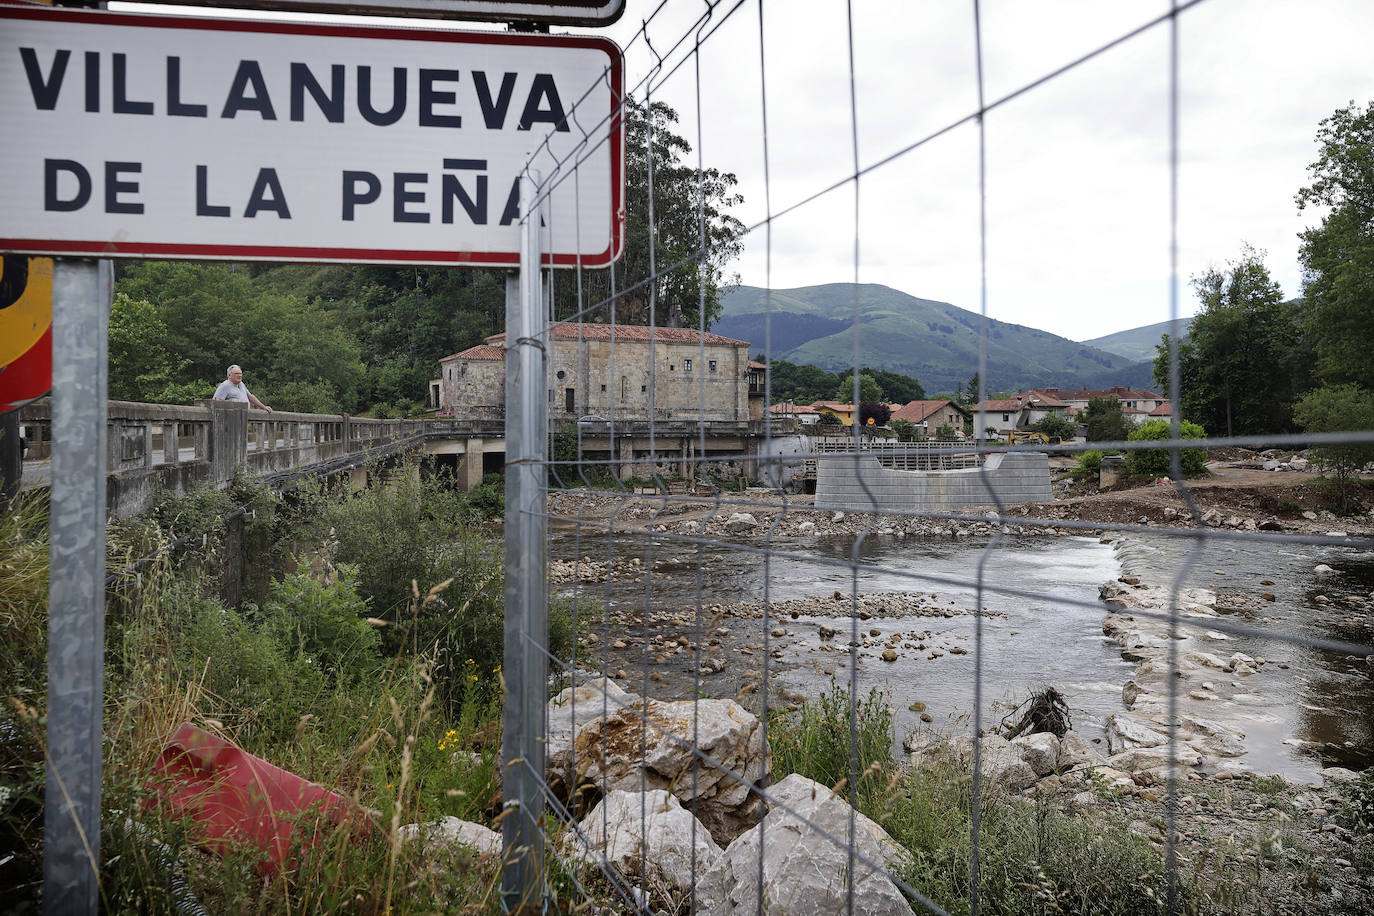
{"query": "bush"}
pixel 1154 462
pixel 815 741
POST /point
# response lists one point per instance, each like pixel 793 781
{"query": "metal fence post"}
pixel 526 621
pixel 76 593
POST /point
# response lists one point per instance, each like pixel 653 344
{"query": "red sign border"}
pixel 297 253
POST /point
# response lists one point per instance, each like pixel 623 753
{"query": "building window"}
pixel 603 389
pixel 643 388
pixel 686 365
pixel 562 375
pixel 1006 418
pixel 711 365
pixel 624 387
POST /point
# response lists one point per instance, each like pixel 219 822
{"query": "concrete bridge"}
pixel 152 446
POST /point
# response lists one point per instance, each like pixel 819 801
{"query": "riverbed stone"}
pixel 1077 752
pixel 741 521
pixel 451 832
pixel 572 709
pixel 619 751
pixel 1040 751
pixel 804 872
pixel 624 825
pixel 1128 731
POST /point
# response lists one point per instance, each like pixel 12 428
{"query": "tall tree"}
pixel 1338 255
pixel 692 237
pixel 1236 368
pixel 1104 421
pixel 896 388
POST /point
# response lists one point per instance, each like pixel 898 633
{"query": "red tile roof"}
pixel 1041 397
pixel 792 408
pixel 1163 410
pixel 918 411
pixel 1087 394
pixel 629 332
pixel 481 351
pixel 755 364
pixel 1004 406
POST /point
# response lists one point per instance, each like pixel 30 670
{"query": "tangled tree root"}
pixel 1044 711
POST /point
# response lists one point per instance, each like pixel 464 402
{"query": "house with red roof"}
pixel 929 416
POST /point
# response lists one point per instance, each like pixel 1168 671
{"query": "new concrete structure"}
pixel 859 482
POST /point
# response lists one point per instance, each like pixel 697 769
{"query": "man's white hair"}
pixel 230 370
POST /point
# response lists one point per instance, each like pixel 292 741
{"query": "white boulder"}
pixel 1040 751
pixel 626 827
pixel 451 831
pixel 613 753
pixel 805 861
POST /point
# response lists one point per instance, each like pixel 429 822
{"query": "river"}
pixel 1319 709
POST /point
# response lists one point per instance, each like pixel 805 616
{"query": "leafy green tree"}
pixel 906 430
pixel 945 431
pixel 1104 421
pixel 1054 425
pixel 1338 255
pixel 142 368
pixel 1339 408
pixel 800 383
pixel 896 388
pixel 1236 368
pixel 692 240
pixel 869 390
pixel 1154 462
pixel 828 420
pixel 971 391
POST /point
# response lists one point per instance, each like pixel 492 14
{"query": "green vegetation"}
pixel 1339 408
pixel 935 342
pixel 1033 858
pixel 1154 462
pixel 1238 369
pixel 1088 466
pixel 366 661
pixel 1054 425
pixel 906 430
pixel 804 384
pixel 869 390
pixel 1105 421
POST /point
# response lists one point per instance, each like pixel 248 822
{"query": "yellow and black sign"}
pixel 25 330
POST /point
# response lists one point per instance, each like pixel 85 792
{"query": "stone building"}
pixel 607 371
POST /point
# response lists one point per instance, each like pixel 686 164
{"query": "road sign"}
pixel 558 12
pixel 25 330
pixel 154 136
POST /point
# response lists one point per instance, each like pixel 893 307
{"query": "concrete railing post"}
pixel 228 446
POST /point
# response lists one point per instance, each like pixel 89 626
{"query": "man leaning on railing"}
pixel 233 389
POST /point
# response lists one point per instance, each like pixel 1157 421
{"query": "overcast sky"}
pixel 1077 169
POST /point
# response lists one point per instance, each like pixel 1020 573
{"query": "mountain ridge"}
pixel 936 342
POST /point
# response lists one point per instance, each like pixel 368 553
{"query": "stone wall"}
pixel 1017 477
pixel 592 378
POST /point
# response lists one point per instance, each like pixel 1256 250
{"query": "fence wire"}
pixel 649 481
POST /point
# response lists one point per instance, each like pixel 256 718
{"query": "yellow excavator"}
pixel 1026 437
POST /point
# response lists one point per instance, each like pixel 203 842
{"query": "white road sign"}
pixel 153 136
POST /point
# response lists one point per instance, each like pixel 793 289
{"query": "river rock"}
pixel 1077 752
pixel 1040 751
pixel 1128 731
pixel 625 824
pixel 741 521
pixel 570 711
pixel 1000 762
pixel 1140 759
pixel 450 831
pixel 1337 776
pixel 806 527
pixel 608 755
pixel 804 872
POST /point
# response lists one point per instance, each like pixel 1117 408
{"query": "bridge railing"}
pixel 177 447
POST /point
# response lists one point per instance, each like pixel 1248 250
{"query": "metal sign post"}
pixel 526 665
pixel 82 292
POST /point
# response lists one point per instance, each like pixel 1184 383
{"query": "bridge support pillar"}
pixel 625 468
pixel 470 470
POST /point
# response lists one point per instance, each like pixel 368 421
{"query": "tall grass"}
pixel 1034 858
pixel 398 711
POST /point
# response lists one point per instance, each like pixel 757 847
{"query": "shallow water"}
pixel 1045 636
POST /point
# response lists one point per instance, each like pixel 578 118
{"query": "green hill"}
pixel 1137 343
pixel 934 341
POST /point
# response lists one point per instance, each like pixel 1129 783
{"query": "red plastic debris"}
pixel 236 800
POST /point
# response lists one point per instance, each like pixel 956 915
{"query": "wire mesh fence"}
pixel 786 645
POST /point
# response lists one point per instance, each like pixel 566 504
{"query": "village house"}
pixel 803 414
pixel 1137 405
pixel 1004 415
pixel 605 371
pixel 837 409
pixel 929 416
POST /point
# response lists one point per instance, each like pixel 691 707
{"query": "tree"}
pixel 1338 255
pixel 971 394
pixel 1154 462
pixel 141 366
pixel 1339 408
pixel 1054 425
pixel 880 413
pixel 869 390
pixel 906 430
pixel 1104 420
pixel 800 383
pixel 692 240
pixel 1236 368
pixel 897 388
